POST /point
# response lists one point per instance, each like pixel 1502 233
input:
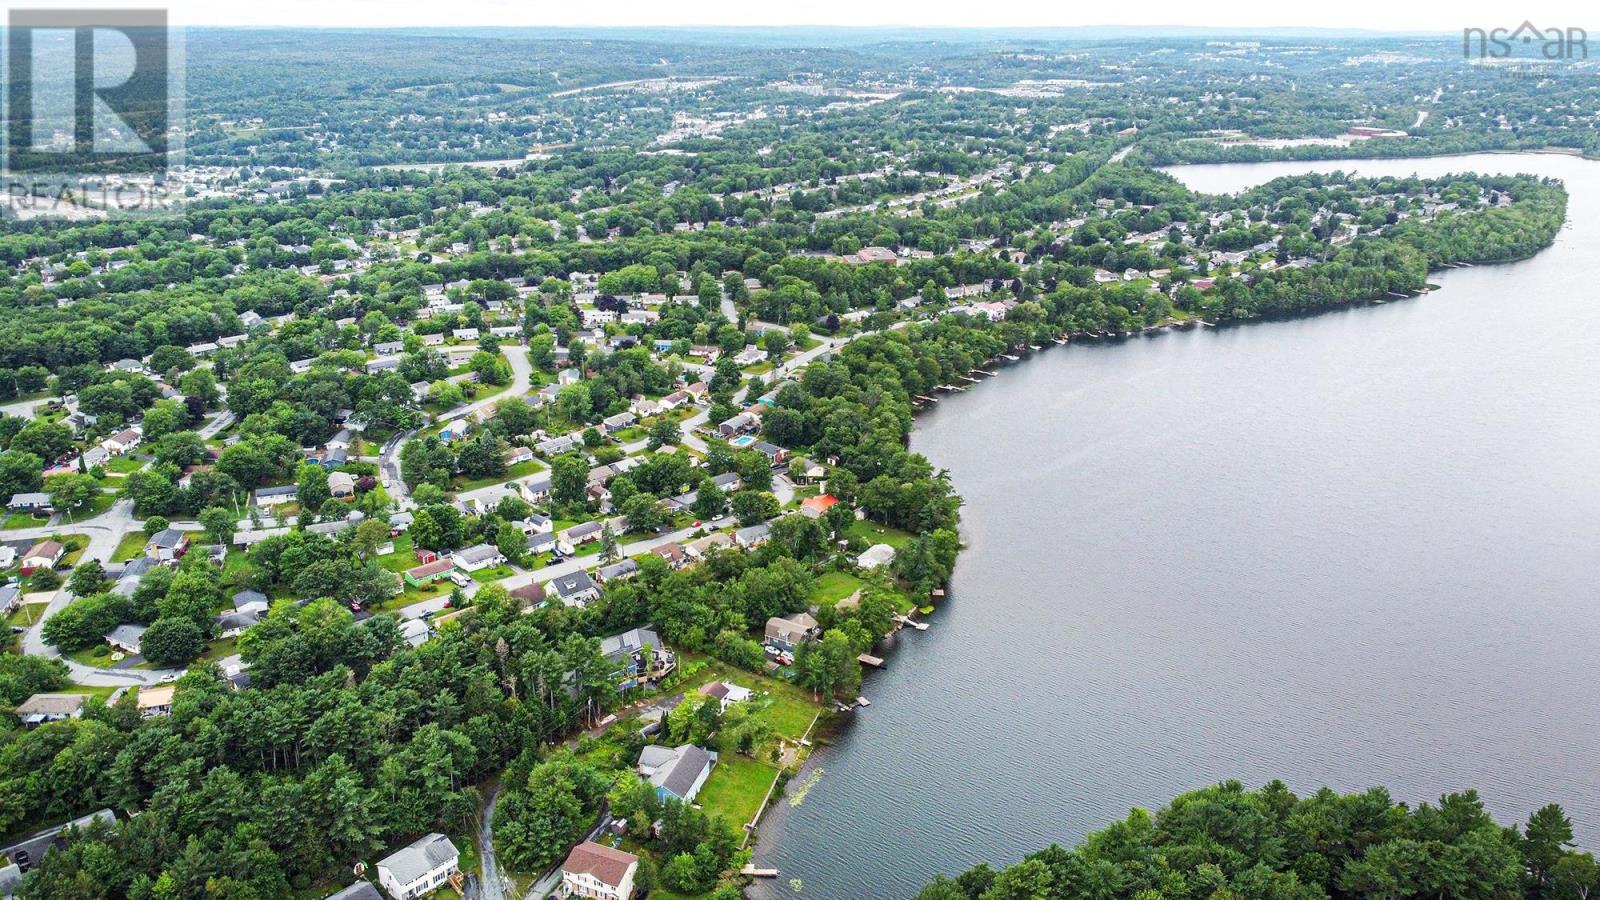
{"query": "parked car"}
pixel 461 578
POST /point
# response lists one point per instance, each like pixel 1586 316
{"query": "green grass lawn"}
pixel 873 533
pixel 124 465
pixel 736 788
pixel 219 648
pixel 25 615
pixel 492 574
pixel 629 435
pixel 519 470
pixel 97 505
pixel 23 520
pixel 831 587
pixel 787 707
pixel 131 545
pixel 402 558
pixel 72 557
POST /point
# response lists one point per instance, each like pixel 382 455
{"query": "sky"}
pixel 1375 15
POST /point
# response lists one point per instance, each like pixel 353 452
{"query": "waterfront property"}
pixel 595 870
pixel 676 772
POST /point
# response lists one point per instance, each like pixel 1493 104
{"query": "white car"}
pixel 461 578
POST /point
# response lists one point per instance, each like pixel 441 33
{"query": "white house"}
pixel 418 868
pixel 595 870
pixel 875 557
pixel 476 557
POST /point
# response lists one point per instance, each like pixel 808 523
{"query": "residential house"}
pixel 127 638
pixel 787 633
pixel 477 557
pixel 673 553
pixel 233 624
pixel 583 533
pixel 342 485
pixel 541 543
pixel 773 452
pixel 272 496
pixel 427 573
pixel 156 701
pixel 576 589
pixel 639 654
pixel 537 523
pixel 465 334
pixel 618 571
pixel 419 868
pixel 518 454
pixel 528 596
pixel 389 348
pixel 122 441
pixel 559 444
pixel 10 594
pixel 43 555
pixel 739 424
pixel 251 602
pixel 803 470
pixel 618 422
pixel 749 356
pixel 701 548
pixel 818 506
pixel 875 557
pixel 42 708
pixel 676 772
pixel 673 400
pixel 596 870
pixel 753 536
pixel 167 546
pixel 726 692
pixel 30 502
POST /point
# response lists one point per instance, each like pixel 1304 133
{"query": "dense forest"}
pixel 1227 842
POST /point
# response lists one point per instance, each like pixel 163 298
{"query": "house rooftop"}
pixel 420 857
pixel 606 864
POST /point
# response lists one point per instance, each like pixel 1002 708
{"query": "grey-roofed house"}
pixel 127 638
pixel 478 556
pixel 788 633
pixel 617 571
pixel 419 867
pixel 676 772
pixel 576 589
pixel 753 536
pixel 583 533
pixel 541 542
pixel 627 652
pixel 30 501
pixel 250 601
pixel 42 708
pixel 271 496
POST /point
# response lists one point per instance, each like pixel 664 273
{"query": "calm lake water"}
pixel 1360 548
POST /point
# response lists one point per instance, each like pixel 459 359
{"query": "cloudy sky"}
pixel 1364 14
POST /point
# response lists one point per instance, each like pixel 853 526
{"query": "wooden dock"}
pixel 907 620
pixel 754 872
pixel 868 660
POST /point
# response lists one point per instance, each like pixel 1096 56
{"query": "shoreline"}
pixel 830 726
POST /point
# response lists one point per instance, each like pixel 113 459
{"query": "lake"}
pixel 1352 549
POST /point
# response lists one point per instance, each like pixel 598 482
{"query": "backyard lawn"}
pixel 736 788
pixel 831 587
pixel 873 533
